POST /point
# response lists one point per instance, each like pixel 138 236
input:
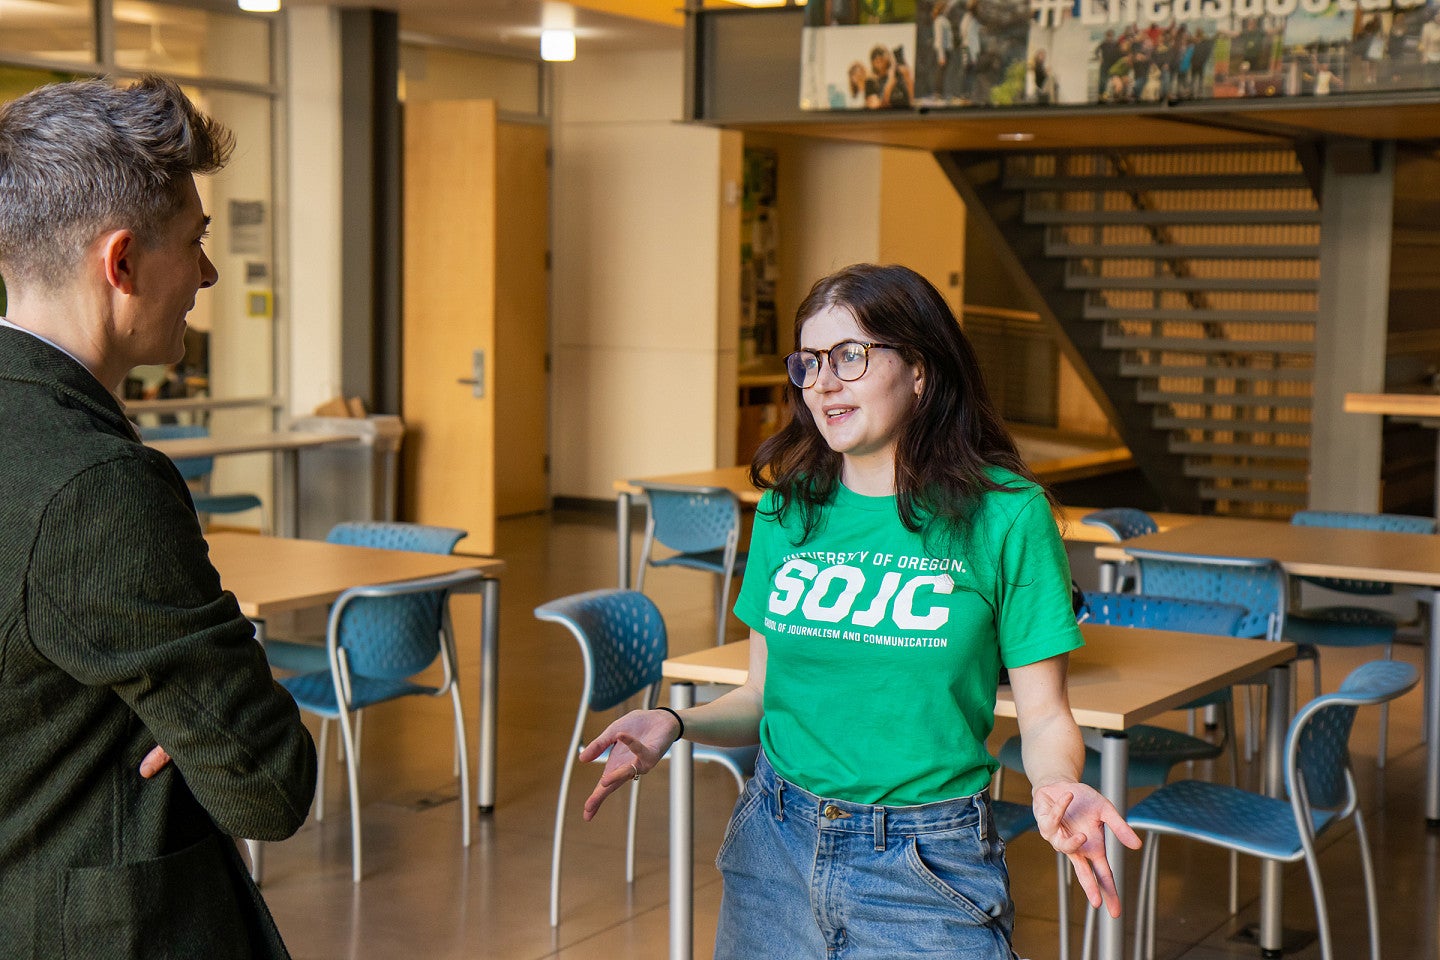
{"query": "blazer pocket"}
pixel 181 905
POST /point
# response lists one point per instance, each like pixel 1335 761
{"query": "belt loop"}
pixel 879 828
pixel 779 799
pixel 983 806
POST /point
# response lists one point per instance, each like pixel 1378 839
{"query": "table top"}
pixel 1410 558
pixel 215 446
pixel 269 575
pixel 194 404
pixel 1396 404
pixel 1121 677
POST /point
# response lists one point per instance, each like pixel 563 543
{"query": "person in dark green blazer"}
pixel 140 730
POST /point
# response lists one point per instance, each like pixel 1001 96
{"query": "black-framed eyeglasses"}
pixel 849 359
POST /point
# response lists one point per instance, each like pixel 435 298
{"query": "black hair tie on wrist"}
pixel 681 734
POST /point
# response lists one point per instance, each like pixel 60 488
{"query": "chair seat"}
pixel 709 560
pixel 1235 819
pixel 1012 819
pixel 296 656
pixel 1341 626
pixel 316 691
pixel 225 502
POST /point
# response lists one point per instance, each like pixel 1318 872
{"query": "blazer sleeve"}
pixel 122 595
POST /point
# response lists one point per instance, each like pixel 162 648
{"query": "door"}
pixel 475 318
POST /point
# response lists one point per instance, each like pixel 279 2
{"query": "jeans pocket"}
pixel 183 904
pixel 752 799
pixel 955 865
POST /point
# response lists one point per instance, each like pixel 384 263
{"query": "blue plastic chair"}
pixel 1321 793
pixel 702 524
pixel 301 657
pixel 1255 583
pixel 377 639
pixel 196 471
pixel 1123 523
pixel 1352 625
pixel 622 645
pixel 1153 750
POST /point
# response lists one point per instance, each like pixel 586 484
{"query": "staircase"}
pixel 1187 282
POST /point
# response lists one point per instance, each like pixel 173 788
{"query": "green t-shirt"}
pixel 882 659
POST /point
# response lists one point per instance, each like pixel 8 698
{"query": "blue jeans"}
pixel 807 878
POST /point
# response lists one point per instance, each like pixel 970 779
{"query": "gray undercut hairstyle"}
pixel 81 158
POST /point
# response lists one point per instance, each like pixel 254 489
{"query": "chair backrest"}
pixel 1163 613
pixel 391 633
pixel 191 468
pixel 1392 522
pixel 622 640
pixel 1122 522
pixel 692 519
pixel 1256 584
pixel 1317 745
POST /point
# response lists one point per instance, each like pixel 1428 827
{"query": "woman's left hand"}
pixel 1073 818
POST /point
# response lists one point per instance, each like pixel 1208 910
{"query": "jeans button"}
pixel 833 812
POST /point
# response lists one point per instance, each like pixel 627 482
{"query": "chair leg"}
pixel 1367 867
pixel 462 756
pixel 1322 915
pixel 630 831
pixel 1381 747
pixel 352 772
pixel 320 764
pixel 559 842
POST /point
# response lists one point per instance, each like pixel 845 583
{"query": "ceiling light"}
pixel 1016 137
pixel 557 45
pixel 260 6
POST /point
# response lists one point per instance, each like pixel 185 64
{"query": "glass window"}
pixel 184 42
pixel 54 29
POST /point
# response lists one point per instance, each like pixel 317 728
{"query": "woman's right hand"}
pixel 637 742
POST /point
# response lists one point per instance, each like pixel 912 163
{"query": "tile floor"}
pixel 426 896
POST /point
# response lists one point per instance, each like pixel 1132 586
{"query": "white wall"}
pixel 312 310
pixel 639 340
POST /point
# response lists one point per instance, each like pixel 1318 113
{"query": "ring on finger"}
pixel 636 769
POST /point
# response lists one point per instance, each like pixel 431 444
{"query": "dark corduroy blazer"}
pixel 115 635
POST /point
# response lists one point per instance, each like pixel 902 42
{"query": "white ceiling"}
pixel 514 25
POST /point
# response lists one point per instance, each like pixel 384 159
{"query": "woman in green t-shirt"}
pixel 901 555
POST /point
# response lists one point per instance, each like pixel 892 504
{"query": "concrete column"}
pixel 1357 205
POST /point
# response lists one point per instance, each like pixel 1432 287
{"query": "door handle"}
pixel 476 382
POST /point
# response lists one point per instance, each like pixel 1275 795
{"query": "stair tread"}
pixel 1032 215
pixel 1184 251
pixel 1279 284
pixel 1198 314
pixel 1172 181
pixel 1214 372
pixel 1122 341
pixel 1230 400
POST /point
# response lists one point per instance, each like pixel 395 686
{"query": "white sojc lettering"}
pixel 799 580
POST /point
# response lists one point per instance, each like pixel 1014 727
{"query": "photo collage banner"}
pixel 918 54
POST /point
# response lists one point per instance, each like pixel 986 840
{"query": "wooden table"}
pixel 1402 558
pixel 1421 408
pixel 271 575
pixel 1123 676
pixel 286 443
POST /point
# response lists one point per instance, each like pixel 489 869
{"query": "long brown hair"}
pixel 944 448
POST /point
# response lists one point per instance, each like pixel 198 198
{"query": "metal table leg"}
pixel 1277 720
pixel 682 831
pixel 622 538
pixel 1114 775
pixel 489 692
pixel 1432 716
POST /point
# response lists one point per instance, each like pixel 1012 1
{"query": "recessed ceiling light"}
pixel 557 45
pixel 260 6
pixel 1016 137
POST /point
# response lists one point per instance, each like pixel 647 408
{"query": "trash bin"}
pixel 348 481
